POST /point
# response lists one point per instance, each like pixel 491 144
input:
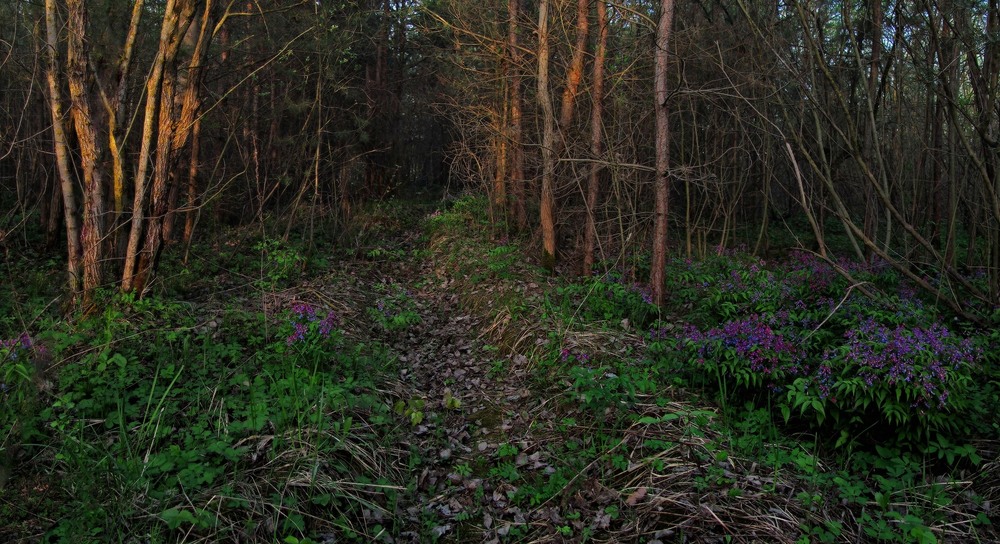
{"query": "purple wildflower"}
pixel 304 310
pixel 328 323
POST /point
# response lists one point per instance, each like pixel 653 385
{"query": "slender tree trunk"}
pixel 596 141
pixel 500 190
pixel 575 74
pixel 662 184
pixel 116 109
pixel 86 134
pixel 172 135
pixel 548 142
pixel 173 196
pixel 158 201
pixel 166 55
pixel 516 153
pixel 52 221
pixel 61 151
pixel 188 126
pixel 192 183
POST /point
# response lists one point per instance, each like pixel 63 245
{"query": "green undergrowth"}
pixel 770 390
pixel 867 363
pixel 164 420
pixel 159 429
pixel 862 406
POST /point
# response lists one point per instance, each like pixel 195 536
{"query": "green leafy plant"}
pixel 18 366
pixel 799 339
pixel 394 308
pixel 412 410
pixel 609 297
pixel 279 262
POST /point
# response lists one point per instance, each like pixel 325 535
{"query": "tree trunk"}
pixel 662 184
pixel 61 151
pixel 596 141
pixel 192 190
pixel 500 175
pixel 77 61
pixel 116 108
pixel 188 126
pixel 516 153
pixel 575 74
pixel 170 38
pixel 173 133
pixel 548 142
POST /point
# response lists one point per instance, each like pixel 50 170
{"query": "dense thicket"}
pixel 871 126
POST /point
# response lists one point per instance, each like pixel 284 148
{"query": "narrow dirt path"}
pixel 444 360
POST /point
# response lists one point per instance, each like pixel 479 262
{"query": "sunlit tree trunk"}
pixel 177 16
pixel 61 151
pixel 78 68
pixel 548 142
pixel 115 106
pixel 175 125
pixel 662 183
pixel 188 126
pixel 575 74
pixel 596 141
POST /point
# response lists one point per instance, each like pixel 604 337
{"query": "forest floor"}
pixel 520 457
pixel 431 384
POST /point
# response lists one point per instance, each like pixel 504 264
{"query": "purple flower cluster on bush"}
pixel 920 357
pixel 750 338
pixel 798 323
pixel 568 355
pixel 303 317
pixel 13 345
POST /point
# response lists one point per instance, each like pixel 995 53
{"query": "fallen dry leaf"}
pixel 636 496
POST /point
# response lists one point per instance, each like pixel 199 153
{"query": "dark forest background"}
pixel 867 127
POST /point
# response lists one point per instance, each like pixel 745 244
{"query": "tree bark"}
pixel 516 152
pixel 575 74
pixel 596 141
pixel 548 142
pixel 61 151
pixel 662 183
pixel 92 236
pixel 192 189
pixel 166 55
pixel 172 135
pixel 115 108
pixel 188 126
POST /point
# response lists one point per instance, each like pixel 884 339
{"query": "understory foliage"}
pixel 272 416
pixel 241 428
pixel 869 360
pixel 864 397
pixel 199 426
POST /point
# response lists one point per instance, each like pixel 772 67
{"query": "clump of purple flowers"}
pixel 918 358
pixel 11 346
pixel 305 322
pixel 751 340
pixel 567 355
pixel 818 348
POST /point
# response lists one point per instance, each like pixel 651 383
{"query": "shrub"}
pixel 798 337
pixel 17 390
pixel 609 297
